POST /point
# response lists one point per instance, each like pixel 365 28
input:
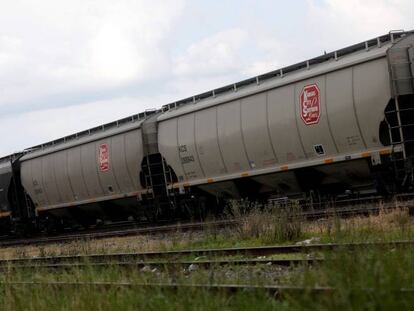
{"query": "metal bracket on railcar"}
pixel 375 158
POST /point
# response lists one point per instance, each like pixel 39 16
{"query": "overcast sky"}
pixel 66 66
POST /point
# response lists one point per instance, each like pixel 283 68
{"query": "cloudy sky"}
pixel 66 66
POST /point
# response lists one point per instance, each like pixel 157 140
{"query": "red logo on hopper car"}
pixel 310 104
pixel 104 157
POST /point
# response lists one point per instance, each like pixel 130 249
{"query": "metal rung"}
pixel 400 110
pixel 401 126
pixel 405 78
pixel 160 174
pixel 152 164
pixel 403 142
pixel 402 159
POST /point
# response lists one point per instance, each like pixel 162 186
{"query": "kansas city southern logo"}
pixel 310 104
pixel 103 157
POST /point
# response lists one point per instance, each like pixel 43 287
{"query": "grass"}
pixel 258 227
pixel 24 297
pixel 368 279
pixel 88 298
pixel 385 226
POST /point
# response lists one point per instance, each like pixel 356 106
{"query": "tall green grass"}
pixel 47 298
pixel 368 279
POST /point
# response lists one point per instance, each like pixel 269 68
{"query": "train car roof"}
pixel 84 137
pixel 329 62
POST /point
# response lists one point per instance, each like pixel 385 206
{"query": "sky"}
pixel 66 66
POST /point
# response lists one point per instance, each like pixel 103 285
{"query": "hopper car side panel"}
pixel 32 181
pixel 187 147
pixel 230 137
pixel 256 136
pixel 315 134
pixel 119 162
pixel 283 132
pixel 64 186
pixel 211 158
pixel 341 111
pixel 49 180
pixel 372 93
pixel 168 146
pixel 76 178
pixel 107 178
pixel 73 176
pixel 90 169
pixel 133 156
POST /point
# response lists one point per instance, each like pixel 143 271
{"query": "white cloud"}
pixel 275 54
pixel 217 54
pixel 332 22
pixel 69 65
pixel 49 47
pixel 44 125
pixel 226 57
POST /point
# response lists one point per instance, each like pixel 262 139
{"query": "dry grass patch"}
pixel 139 243
pixel 271 223
pixel 386 225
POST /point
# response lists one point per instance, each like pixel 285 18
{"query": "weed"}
pixel 270 223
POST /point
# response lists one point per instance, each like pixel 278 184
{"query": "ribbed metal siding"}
pixel 266 129
pixel 255 131
pixel 73 176
pixel 208 148
pixel 283 128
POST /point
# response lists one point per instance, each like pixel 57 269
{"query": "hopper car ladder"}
pixel 401 118
pixel 155 175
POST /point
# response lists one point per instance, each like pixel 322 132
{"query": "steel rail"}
pixel 168 264
pixel 212 252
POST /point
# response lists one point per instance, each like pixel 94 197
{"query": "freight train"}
pixel 339 123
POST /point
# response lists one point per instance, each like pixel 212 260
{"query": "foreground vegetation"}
pixel 369 279
pixel 366 279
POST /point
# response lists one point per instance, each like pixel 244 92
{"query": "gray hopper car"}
pixel 341 122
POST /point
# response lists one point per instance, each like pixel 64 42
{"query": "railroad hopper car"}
pixel 341 122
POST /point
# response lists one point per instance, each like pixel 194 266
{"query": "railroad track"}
pixel 209 253
pixel 168 265
pixel 357 206
pixel 131 260
pixel 339 208
pixel 277 291
pixel 107 233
